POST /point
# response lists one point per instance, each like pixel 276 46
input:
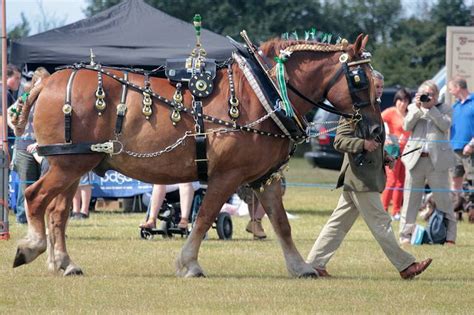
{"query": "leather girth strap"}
pixel 65 149
pixel 201 156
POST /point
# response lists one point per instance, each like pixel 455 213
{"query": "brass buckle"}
pixel 107 147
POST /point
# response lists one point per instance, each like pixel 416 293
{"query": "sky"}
pixel 65 12
pixel 58 11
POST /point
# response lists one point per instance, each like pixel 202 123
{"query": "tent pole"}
pixel 4 227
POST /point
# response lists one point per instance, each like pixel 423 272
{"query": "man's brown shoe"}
pixel 322 273
pixel 415 269
pixel 255 227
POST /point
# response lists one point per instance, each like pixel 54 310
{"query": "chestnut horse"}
pixel 235 157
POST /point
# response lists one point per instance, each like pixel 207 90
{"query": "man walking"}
pixel 363 178
pixel 462 138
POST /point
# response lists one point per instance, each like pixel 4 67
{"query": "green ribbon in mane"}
pixel 280 76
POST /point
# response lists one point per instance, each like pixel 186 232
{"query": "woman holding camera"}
pixel 429 122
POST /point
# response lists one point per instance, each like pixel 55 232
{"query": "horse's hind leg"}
pixel 218 191
pixel 58 179
pixel 58 213
pixel 271 199
pixel 34 243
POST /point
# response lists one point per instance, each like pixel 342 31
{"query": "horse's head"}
pixel 353 88
pixel 340 73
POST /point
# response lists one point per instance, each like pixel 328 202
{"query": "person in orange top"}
pixel 396 138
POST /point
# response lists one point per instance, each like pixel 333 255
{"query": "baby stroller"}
pixel 170 213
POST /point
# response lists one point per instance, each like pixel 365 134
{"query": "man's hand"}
pixel 32 148
pixel 371 145
pixel 389 160
pixel 467 150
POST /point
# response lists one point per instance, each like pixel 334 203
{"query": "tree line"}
pixel 407 47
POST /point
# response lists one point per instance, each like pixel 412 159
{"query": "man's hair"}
pixel 11 69
pixel 460 82
pixel 377 75
pixel 402 94
pixel 429 84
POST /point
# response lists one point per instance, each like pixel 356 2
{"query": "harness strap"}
pixel 112 147
pixel 352 89
pixel 67 109
pixel 121 107
pixel 61 149
pixel 244 66
pixel 201 150
pixel 319 104
pixel 185 109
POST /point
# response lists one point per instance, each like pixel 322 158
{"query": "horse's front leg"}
pixel 271 199
pixel 58 214
pixel 218 191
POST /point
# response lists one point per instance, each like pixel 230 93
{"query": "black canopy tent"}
pixel 131 33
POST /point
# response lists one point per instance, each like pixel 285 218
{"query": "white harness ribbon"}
pixel 245 67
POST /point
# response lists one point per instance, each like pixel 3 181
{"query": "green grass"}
pixel 125 274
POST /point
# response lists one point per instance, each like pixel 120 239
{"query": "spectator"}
pixel 256 212
pixel 462 139
pixel 361 183
pixel 24 162
pixel 186 195
pixel 13 84
pixel 429 123
pixel 82 198
pixel 396 139
pixel 379 84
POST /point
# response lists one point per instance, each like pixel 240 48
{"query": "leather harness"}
pixel 294 129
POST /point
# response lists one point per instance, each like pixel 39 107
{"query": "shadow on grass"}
pixel 318 213
pixel 424 278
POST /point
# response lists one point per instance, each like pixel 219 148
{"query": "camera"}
pixel 425 98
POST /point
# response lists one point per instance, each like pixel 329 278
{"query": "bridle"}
pixel 357 81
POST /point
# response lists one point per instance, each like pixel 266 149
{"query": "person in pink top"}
pixel 396 138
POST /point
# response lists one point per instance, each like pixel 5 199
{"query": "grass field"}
pixel 125 274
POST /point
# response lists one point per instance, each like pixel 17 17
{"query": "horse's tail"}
pixel 26 106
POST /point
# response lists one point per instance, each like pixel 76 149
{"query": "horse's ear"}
pixel 358 44
pixel 364 43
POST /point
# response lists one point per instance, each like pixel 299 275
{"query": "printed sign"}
pixel 117 185
pixel 460 54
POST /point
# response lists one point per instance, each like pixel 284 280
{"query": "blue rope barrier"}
pixel 329 186
pixel 333 186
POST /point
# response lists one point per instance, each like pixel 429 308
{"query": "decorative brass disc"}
pixel 201 85
pixel 343 58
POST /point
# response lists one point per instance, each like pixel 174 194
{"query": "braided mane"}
pixel 275 45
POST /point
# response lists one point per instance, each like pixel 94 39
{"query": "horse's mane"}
pixel 273 46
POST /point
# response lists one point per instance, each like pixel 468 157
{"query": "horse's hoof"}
pixel 199 274
pixel 307 275
pixel 73 271
pixel 20 258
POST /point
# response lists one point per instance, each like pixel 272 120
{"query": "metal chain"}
pixel 327 131
pixel 165 150
pixel 265 117
pixel 197 126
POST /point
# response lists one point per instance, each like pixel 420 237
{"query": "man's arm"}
pixel 442 120
pixel 345 140
pixel 413 115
